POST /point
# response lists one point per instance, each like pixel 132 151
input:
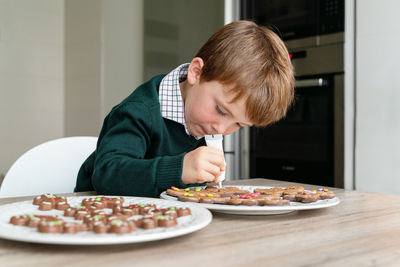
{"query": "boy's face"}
pixel 208 109
pixel 207 105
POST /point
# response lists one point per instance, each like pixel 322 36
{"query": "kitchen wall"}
pixel 122 50
pixel 31 70
pixel 82 55
pixel 63 65
pixel 174 30
pixel 377 136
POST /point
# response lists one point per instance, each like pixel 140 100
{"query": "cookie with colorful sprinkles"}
pixel 275 196
pixel 100 215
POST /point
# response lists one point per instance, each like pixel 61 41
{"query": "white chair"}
pixel 51 167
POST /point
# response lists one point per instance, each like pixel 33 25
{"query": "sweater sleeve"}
pixel 121 167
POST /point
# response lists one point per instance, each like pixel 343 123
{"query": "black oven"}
pixel 294 19
pixel 301 146
pixel 307 145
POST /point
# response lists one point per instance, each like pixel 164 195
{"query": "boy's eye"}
pixel 220 111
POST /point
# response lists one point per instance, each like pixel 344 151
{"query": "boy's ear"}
pixel 194 70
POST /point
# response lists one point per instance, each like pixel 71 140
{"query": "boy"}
pixel 152 140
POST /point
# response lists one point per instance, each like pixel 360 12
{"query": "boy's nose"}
pixel 224 128
pixel 218 128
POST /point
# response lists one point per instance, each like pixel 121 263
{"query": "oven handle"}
pixel 318 82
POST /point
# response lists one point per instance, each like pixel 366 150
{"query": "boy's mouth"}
pixel 203 131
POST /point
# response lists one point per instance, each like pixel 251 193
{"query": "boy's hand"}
pixel 204 164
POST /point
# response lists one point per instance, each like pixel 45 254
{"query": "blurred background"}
pixel 65 63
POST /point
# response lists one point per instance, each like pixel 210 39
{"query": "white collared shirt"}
pixel 170 97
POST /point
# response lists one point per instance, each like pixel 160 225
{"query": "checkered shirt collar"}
pixel 170 97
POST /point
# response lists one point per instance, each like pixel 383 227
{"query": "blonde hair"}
pixel 256 62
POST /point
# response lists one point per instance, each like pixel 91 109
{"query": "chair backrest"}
pixel 51 167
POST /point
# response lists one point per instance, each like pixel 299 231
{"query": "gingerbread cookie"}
pixel 275 196
pixel 50 201
pixel 94 215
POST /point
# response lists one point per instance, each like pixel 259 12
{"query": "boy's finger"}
pixel 206 177
pixel 214 170
pixel 217 160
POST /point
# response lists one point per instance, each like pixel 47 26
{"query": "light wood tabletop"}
pixel 363 230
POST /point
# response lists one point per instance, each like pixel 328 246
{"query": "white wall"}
pixel 82 67
pixel 174 30
pixel 349 94
pixel 63 65
pixel 377 149
pixel 122 50
pixel 31 75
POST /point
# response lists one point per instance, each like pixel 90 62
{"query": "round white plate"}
pixel 199 219
pixel 260 210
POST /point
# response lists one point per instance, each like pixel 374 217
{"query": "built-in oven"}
pixel 301 146
pixel 295 19
pixel 307 145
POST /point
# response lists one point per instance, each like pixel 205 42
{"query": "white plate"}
pixel 260 210
pixel 199 219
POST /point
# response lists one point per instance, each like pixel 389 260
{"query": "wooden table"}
pixel 363 230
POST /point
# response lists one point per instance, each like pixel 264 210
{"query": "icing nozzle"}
pixel 215 140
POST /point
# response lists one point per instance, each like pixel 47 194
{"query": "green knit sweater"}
pixel 138 153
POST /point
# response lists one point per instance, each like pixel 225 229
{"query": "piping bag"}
pixel 215 140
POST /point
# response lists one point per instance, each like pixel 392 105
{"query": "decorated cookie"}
pixel 324 193
pixel 122 227
pixel 100 228
pixel 183 212
pixel 61 205
pixel 51 227
pixel 48 201
pixel 148 223
pixel 19 220
pixel 170 212
pixel 74 227
pixel 100 215
pixel 166 221
pixel 307 196
pixel 260 196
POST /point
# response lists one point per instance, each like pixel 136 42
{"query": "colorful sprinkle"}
pixel 117 222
